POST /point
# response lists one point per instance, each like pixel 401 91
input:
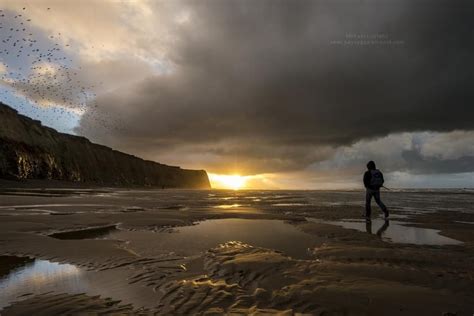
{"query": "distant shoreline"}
pixel 58 184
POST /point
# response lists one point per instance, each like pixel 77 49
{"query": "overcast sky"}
pixel 295 94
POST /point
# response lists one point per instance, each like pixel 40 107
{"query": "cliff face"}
pixel 29 150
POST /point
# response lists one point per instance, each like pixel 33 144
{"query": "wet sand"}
pixel 111 251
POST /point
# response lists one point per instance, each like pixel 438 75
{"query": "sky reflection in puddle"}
pixel 40 276
pixel 191 240
pixel 43 276
pixel 395 231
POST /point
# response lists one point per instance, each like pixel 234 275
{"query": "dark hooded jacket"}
pixel 368 176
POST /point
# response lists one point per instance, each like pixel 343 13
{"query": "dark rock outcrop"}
pixel 29 150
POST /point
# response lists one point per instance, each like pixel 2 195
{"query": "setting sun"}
pixel 233 182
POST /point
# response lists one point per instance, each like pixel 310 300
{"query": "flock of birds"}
pixel 42 72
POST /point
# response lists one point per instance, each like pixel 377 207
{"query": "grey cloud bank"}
pixel 262 83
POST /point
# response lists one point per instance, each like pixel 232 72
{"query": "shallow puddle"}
pixel 395 231
pixel 28 277
pixel 39 276
pixel 192 240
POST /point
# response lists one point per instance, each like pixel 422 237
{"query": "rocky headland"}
pixel 31 151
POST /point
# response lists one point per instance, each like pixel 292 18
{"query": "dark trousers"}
pixel 368 199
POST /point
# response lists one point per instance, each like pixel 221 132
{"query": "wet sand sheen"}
pixel 42 276
pixel 258 254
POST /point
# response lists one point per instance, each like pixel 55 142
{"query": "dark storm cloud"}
pixel 282 76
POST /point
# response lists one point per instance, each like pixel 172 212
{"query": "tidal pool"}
pixel 395 231
pixel 36 277
pixel 192 240
pixel 23 277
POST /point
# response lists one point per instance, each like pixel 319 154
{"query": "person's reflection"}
pixel 380 231
pixel 368 227
pixel 383 228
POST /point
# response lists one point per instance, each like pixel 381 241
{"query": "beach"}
pixel 142 252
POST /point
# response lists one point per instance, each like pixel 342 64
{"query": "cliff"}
pixel 29 150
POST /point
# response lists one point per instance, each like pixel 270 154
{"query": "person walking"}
pixel 373 181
